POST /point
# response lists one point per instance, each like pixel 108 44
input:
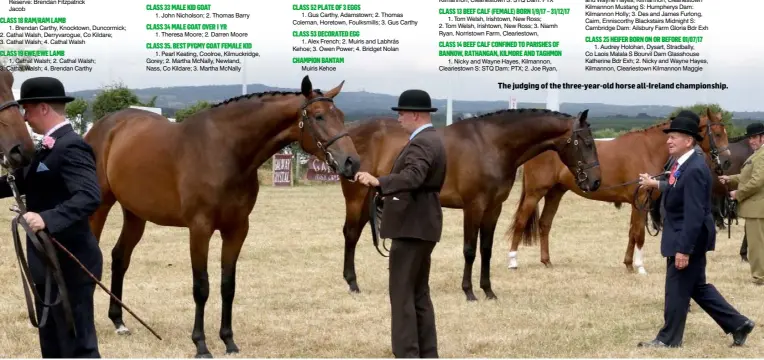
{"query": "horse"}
pixel 201 174
pixel 622 160
pixel 483 155
pixel 16 143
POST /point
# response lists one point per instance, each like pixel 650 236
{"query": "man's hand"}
pixel 35 221
pixel 733 194
pixel 647 180
pixel 681 261
pixel 366 179
pixel 724 179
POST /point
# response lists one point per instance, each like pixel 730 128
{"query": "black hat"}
pixel 688 114
pixel 414 100
pixel 754 129
pixel 686 123
pixel 43 89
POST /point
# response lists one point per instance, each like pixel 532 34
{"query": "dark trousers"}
pixel 56 339
pixel 690 282
pixel 413 316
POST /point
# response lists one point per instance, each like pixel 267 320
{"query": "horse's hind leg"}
pixel 552 201
pixel 472 219
pixel 233 238
pixel 635 225
pixel 200 230
pixel 487 230
pixel 98 219
pixel 356 217
pixel 132 231
pixel 637 232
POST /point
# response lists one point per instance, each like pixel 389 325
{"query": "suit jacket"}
pixel 412 190
pixel 749 184
pixel 61 185
pixel 688 227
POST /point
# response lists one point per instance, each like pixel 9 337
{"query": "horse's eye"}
pixel 319 117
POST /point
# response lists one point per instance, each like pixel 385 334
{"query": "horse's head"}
pixel 15 142
pixel 579 153
pixel 715 141
pixel 326 136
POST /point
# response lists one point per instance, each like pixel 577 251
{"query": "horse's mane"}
pixel 262 94
pixel 520 111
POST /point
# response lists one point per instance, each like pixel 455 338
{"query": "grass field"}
pixel 291 299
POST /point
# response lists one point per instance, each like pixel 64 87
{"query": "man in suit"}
pixel 662 182
pixel 61 191
pixel 750 197
pixel 413 218
pixel 689 232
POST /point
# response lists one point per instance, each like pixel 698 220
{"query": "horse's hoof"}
pixel 641 270
pixel 491 296
pixel 471 297
pixel 122 330
pixel 234 350
pixel 203 356
pixel 547 264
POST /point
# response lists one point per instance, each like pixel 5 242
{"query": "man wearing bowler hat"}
pixel 749 193
pixel 412 217
pixel 689 232
pixel 61 191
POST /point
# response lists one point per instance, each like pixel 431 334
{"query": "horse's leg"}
pixel 472 220
pixel 98 219
pixel 233 238
pixel 552 201
pixel 132 232
pixel 356 217
pixel 634 224
pixel 200 232
pixel 525 223
pixel 639 241
pixel 487 230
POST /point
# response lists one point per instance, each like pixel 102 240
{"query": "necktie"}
pixel 672 179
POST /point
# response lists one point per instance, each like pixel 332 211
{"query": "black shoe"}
pixel 741 333
pixel 652 343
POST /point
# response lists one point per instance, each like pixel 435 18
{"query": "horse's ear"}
pixel 306 87
pixel 333 92
pixel 709 115
pixel 582 117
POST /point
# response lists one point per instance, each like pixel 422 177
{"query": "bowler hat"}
pixel 43 89
pixel 754 129
pixel 685 124
pixel 688 114
pixel 414 100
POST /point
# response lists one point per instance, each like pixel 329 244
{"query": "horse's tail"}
pixel 530 232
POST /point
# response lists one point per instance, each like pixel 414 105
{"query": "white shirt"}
pixel 684 157
pixel 418 130
pixel 58 126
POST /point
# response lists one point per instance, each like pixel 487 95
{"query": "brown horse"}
pixel 16 144
pixel 622 160
pixel 483 156
pixel 201 174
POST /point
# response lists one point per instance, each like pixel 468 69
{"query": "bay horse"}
pixel 483 154
pixel 201 174
pixel 622 160
pixel 16 144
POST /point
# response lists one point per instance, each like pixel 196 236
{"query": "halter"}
pixel 581 167
pixel 312 131
pixel 5 106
